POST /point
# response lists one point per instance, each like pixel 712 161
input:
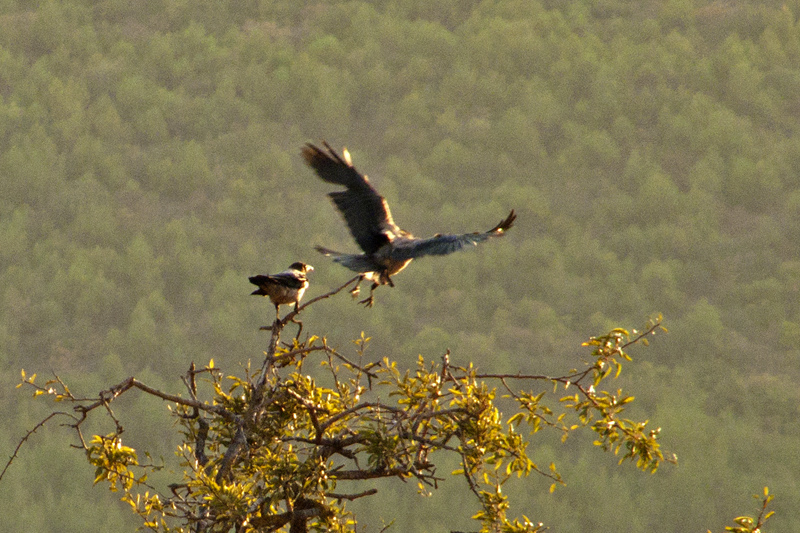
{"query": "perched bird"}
pixel 387 248
pixel 284 288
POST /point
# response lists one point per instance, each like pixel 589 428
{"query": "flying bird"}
pixel 387 248
pixel 286 287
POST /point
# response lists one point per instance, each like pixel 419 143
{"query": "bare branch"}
pixel 365 369
pixel 351 497
pixel 347 412
pixel 239 442
pixel 300 351
pixel 406 471
pixel 320 297
pixel 27 436
pixel 131 382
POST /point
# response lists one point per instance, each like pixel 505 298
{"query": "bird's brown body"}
pixel 284 288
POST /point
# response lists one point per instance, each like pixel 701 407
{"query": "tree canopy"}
pixel 289 445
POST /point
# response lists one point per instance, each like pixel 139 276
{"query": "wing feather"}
pixel 446 244
pixel 284 279
pixel 364 210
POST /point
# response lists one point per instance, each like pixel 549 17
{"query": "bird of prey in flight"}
pixel 286 287
pixel 387 248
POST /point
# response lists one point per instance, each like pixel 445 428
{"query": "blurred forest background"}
pixel 149 162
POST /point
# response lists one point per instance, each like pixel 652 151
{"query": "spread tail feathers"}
pixel 356 262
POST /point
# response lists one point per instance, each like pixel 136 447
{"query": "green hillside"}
pixel 150 162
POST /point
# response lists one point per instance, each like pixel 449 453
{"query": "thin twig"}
pixel 292 314
pixel 347 412
pixel 300 351
pixel 27 436
pixel 134 383
pixel 351 497
pixel 364 369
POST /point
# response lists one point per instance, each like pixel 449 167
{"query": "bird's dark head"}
pixel 301 267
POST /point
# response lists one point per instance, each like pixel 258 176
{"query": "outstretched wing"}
pixel 365 211
pixel 446 244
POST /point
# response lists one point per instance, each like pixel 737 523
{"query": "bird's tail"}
pixel 258 280
pixel 327 252
pixel 356 262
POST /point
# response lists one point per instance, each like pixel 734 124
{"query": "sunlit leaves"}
pixel 112 461
pixel 602 410
pixel 749 524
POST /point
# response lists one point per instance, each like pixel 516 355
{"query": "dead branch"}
pixel 119 389
pixel 351 497
pixel 27 436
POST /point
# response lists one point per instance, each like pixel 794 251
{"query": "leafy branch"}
pixel 748 524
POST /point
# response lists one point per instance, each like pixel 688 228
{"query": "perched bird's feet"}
pixel 355 291
pixel 368 302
